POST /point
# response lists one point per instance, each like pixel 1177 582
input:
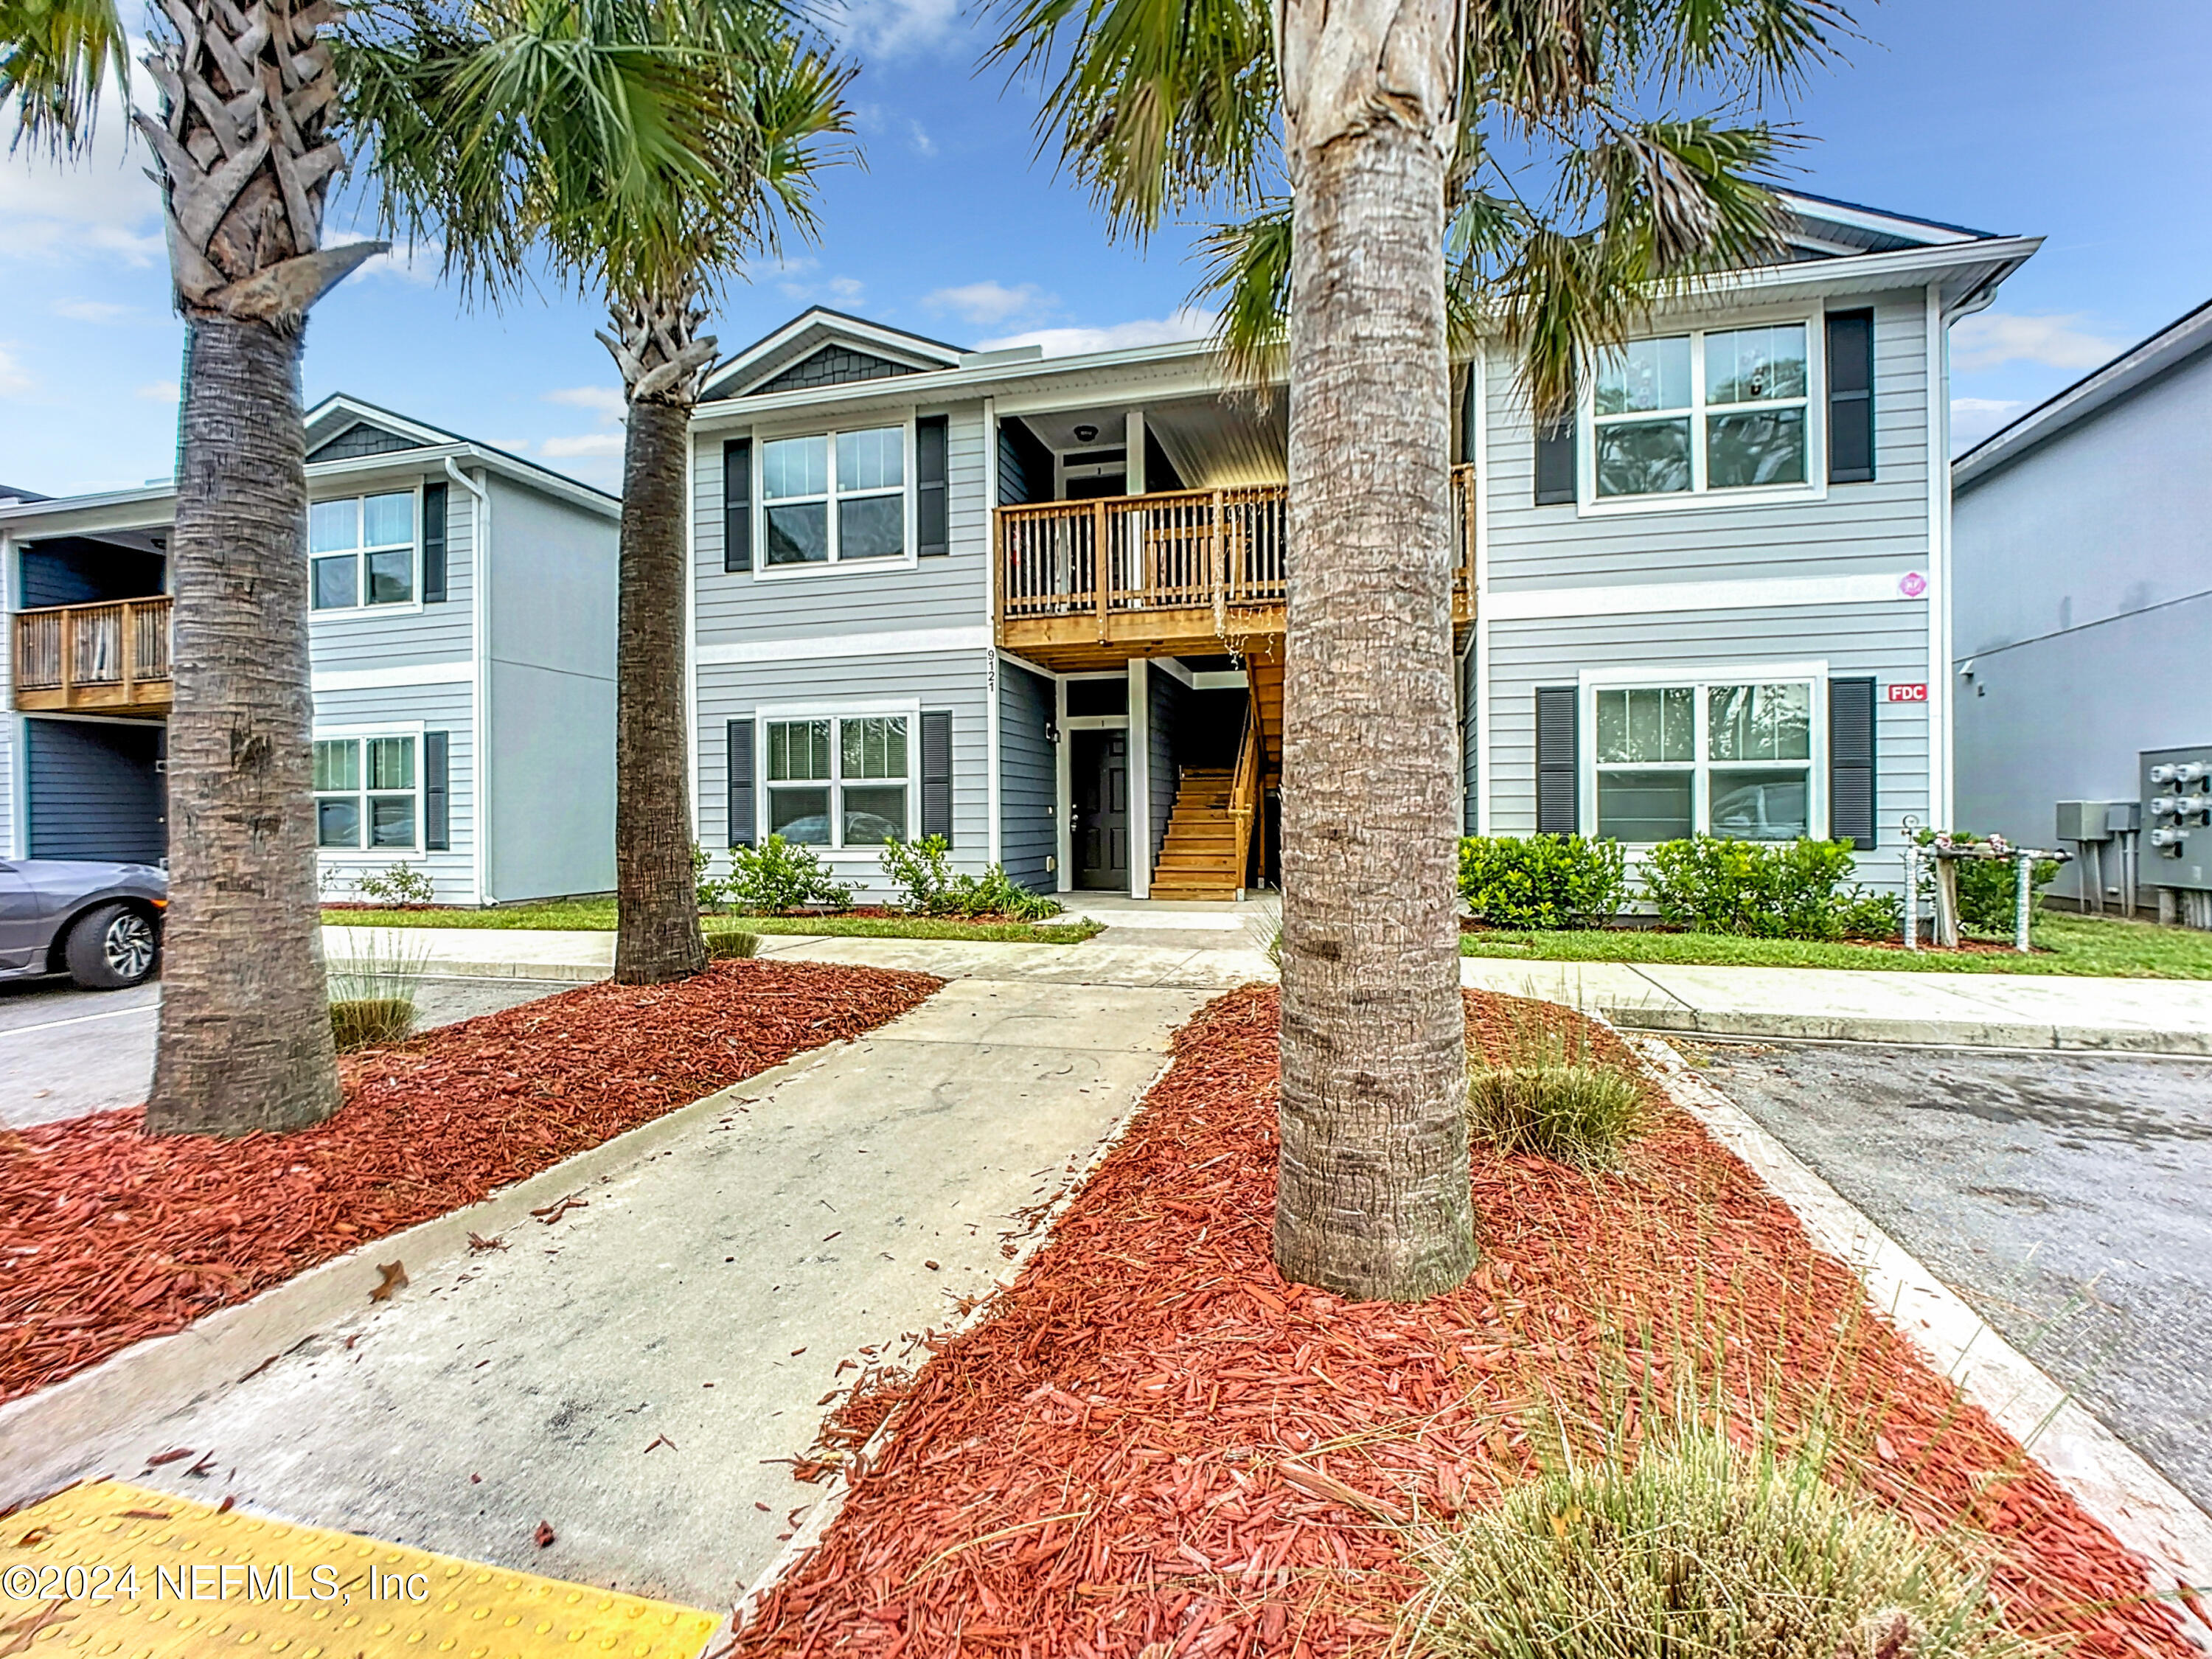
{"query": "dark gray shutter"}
pixel 1851 762
pixel 737 507
pixel 931 535
pixel 1558 760
pixel 434 543
pixel 1850 397
pixel 742 828
pixel 437 793
pixel 936 773
pixel 1555 463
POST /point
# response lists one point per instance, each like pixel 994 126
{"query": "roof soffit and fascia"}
pixel 343 405
pixel 2127 373
pixel 807 334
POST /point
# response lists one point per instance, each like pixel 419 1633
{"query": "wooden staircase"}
pixel 1264 673
pixel 1203 857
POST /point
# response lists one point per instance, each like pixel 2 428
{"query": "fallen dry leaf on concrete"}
pixel 394 1280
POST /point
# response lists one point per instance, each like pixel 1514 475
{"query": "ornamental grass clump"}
pixel 1552 1094
pixel 1700 1547
pixel 724 942
pixel 372 995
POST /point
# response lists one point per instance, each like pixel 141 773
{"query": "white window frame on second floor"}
pixel 833 714
pixel 363 550
pixel 1701 494
pixel 1699 765
pixel 361 736
pixel 831 497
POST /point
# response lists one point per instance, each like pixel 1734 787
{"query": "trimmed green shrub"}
pixel 1987 895
pixel 1764 890
pixel 724 941
pixel 1541 881
pixel 780 876
pixel 927 885
pixel 1695 1547
pixel 714 890
pixel 395 888
pixel 994 893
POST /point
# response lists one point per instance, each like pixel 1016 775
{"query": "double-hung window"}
pixel 839 782
pixel 1728 759
pixel 833 497
pixel 1703 412
pixel 366 794
pixel 361 551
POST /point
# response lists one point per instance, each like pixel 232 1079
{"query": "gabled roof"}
pixel 341 427
pixel 1823 227
pixel 2127 373
pixel 842 347
pixel 10 492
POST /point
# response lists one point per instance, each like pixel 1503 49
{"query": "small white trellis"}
pixel 1943 856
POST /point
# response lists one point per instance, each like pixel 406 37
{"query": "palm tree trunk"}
pixel 245 1040
pixel 657 937
pixel 1372 1197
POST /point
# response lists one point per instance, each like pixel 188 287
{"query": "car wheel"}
pixel 111 949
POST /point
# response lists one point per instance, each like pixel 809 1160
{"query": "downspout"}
pixel 480 677
pixel 993 784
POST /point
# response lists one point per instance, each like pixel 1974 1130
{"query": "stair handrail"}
pixel 1244 788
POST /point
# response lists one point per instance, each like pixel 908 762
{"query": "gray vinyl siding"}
pixel 393 637
pixel 1028 777
pixel 1887 640
pixel 10 724
pixel 834 602
pixel 1879 525
pixel 439 709
pixel 1166 704
pixel 551 696
pixel 957 681
pixel 94 791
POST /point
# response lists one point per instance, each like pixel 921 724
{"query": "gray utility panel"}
pixel 2177 800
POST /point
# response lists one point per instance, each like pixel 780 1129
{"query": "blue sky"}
pixel 2028 116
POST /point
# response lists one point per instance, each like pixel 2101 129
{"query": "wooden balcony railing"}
pixel 114 655
pixel 1124 568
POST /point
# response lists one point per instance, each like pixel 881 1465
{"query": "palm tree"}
pixel 644 147
pixel 244 155
pixel 1403 220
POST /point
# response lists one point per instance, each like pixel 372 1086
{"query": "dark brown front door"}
pixel 1099 779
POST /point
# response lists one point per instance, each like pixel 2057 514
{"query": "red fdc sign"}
pixel 1908 694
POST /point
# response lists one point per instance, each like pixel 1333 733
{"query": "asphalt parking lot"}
pixel 2068 1197
pixel 64 1052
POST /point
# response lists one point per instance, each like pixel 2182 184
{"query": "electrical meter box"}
pixel 2177 818
pixel 2085 820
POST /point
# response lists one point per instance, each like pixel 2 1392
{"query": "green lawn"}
pixel 597 915
pixel 2064 945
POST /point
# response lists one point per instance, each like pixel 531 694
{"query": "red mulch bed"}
pixel 1134 1455
pixel 109 1236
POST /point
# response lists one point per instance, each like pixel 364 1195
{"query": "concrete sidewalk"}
pixel 637 1373
pixel 1201 947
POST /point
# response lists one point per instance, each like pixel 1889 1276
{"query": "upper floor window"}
pixel 361 551
pixel 1708 411
pixel 839 783
pixel 366 792
pixel 834 497
pixel 1730 759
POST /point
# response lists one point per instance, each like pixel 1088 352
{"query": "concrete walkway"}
pixel 1217 946
pixel 635 1373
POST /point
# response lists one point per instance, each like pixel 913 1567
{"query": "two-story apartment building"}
pixel 1037 604
pixel 461 640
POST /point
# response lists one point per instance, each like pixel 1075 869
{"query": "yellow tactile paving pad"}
pixel 113 1569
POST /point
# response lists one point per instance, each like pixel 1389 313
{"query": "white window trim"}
pixel 1589 504
pixel 763 570
pixel 1698 677
pixel 378 856
pixel 834 711
pixel 361 607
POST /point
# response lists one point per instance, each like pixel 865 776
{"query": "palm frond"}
pixel 56 57
pixel 1249 275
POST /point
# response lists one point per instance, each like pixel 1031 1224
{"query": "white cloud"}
pixel 888 26
pixel 984 303
pixel 847 289
pixel 156 391
pixel 1994 338
pixel 1186 323
pixel 605 401
pixel 15 381
pixel 588 443
pixel 1973 419
pixel 102 203
pixel 94 310
pixel 918 136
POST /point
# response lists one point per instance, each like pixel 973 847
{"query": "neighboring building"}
pixel 1716 599
pixel 2084 615
pixel 463 641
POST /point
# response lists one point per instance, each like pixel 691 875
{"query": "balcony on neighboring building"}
pixel 111 657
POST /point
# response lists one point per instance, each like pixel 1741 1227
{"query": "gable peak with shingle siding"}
pixel 833 365
pixel 361 439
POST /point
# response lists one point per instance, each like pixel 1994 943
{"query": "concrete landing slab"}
pixel 636 1373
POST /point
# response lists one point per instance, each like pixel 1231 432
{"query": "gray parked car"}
pixel 99 923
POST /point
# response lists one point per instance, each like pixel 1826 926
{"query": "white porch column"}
pixel 1140 779
pixel 1132 476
